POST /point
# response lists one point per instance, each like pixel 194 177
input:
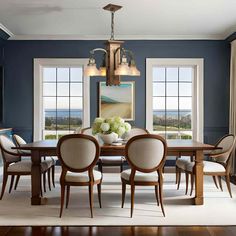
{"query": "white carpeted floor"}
pixel 218 208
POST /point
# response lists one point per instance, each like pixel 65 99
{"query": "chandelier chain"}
pixel 112 25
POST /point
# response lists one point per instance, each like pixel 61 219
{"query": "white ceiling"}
pixel 138 19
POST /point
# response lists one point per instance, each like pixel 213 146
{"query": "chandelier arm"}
pixel 97 49
pixel 122 51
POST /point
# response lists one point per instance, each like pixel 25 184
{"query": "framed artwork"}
pixel 117 100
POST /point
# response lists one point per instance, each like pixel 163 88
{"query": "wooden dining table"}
pixel 174 148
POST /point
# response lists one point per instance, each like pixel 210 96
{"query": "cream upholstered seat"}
pixel 218 167
pixel 140 176
pixel 25 166
pixel 82 177
pixel 12 164
pixel 208 166
pixel 146 156
pixel 114 159
pixel 183 161
pixel 47 161
pixel 79 154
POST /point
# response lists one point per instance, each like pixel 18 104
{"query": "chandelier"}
pixel 117 60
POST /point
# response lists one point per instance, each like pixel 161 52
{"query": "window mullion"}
pixel 178 108
pixel 56 101
pixel 165 103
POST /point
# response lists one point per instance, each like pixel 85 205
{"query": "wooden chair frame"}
pixel 219 175
pixel 6 173
pixel 89 168
pixel 44 174
pixel 159 169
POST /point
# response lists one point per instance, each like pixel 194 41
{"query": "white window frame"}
pixel 198 99
pixel 39 63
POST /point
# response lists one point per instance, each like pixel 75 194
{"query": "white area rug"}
pixel 218 208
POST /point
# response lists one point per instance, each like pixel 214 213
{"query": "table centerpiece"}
pixel 110 129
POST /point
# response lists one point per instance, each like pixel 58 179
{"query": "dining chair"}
pixel 219 165
pixel 120 160
pixel 79 154
pixel 146 156
pixel 13 165
pixel 50 160
pixel 181 162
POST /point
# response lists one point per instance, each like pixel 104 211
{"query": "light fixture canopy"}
pixel 115 61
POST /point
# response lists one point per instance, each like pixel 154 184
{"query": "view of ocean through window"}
pixel 172 102
pixel 63 101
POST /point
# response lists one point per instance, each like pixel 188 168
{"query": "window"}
pixel 61 97
pixel 174 95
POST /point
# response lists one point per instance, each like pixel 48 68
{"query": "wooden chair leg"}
pixel 123 194
pixel 215 181
pixel 49 182
pixel 132 199
pixel 62 198
pixel 161 192
pixel 41 189
pixel 100 166
pixel 121 166
pixel 192 183
pixel 53 176
pixel 99 195
pixel 228 184
pixel 220 183
pixel 67 195
pixel 176 174
pixel 44 182
pixel 157 194
pixel 12 182
pixel 17 181
pixel 4 183
pixel 187 178
pixel 179 179
pixel 91 199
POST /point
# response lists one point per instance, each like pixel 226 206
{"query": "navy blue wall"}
pixel 2 41
pixel 18 60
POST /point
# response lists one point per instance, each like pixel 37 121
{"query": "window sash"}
pixel 39 64
pixel 197 92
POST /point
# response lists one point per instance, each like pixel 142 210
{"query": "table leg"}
pixel 35 178
pixel 198 169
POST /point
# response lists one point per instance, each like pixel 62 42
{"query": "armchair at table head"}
pixel 218 165
pixel 49 161
pixel 12 164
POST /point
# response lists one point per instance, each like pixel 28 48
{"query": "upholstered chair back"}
pixel 9 155
pixel 226 144
pixel 146 152
pixel 89 131
pixel 78 152
pixel 134 132
pixel 19 140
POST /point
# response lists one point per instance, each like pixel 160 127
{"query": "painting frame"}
pixel 126 94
